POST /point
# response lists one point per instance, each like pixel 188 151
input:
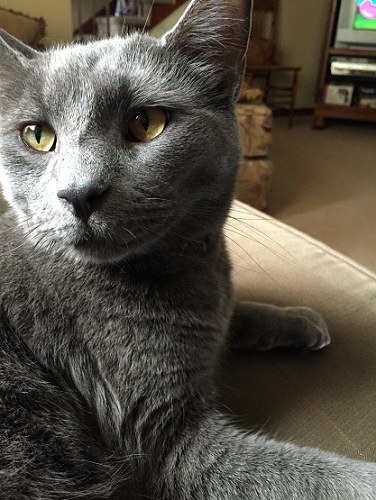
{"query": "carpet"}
pixel 325 184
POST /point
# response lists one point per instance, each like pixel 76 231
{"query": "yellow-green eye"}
pixel 147 124
pixel 39 136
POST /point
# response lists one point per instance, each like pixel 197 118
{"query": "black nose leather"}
pixel 83 201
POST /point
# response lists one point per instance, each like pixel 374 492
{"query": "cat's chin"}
pixel 95 253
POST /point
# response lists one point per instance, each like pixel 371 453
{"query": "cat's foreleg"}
pixel 263 326
pixel 216 461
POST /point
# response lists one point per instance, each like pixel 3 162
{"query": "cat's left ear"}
pixel 215 32
pixel 13 55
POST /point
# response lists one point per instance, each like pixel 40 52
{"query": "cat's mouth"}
pixel 101 244
pixel 101 238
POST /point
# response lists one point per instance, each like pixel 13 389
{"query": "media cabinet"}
pixel 353 111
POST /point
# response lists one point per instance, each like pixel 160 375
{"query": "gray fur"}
pixel 112 330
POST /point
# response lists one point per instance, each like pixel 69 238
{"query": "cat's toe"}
pixel 315 333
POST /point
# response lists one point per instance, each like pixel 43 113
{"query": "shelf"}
pixel 367 80
pixel 351 52
pixel 323 111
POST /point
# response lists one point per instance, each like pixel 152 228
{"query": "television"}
pixel 356 26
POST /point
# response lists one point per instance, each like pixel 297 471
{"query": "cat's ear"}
pixel 13 55
pixel 215 32
pixel 14 47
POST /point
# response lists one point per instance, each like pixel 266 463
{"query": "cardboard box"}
pixel 340 94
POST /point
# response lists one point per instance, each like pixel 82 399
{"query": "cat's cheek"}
pixel 42 199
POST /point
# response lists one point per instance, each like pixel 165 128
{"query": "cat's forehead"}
pixel 100 75
pixel 136 69
pixel 116 55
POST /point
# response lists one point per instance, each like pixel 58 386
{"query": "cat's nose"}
pixel 82 201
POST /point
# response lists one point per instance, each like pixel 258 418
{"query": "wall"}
pixel 57 14
pixel 302 26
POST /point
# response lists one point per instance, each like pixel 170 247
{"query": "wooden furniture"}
pixel 261 61
pixel 324 110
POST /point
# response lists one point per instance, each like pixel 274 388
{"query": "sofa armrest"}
pixel 324 399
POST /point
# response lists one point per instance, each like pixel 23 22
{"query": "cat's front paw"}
pixel 305 328
pixel 264 327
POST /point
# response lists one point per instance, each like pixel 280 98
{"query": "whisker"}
pixel 263 234
pixel 129 231
pixel 148 17
pixel 263 271
pixel 39 241
pixel 235 230
pixel 248 266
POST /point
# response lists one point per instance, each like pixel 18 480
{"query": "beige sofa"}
pixel 325 399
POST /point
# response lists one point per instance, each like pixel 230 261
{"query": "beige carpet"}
pixel 325 184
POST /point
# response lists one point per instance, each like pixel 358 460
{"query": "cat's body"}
pixel 115 290
pixel 136 344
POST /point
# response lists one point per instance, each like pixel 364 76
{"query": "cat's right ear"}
pixel 14 55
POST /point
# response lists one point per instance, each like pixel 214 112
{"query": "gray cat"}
pixel 119 161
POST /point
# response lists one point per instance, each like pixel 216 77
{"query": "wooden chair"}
pixel 261 63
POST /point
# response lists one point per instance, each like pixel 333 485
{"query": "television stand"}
pixel 355 109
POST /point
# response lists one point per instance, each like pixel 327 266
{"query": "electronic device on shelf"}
pixel 353 66
pixel 347 79
pixel 356 27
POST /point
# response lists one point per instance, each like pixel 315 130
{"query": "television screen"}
pixel 365 16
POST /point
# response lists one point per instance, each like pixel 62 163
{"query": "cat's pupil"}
pixel 144 120
pixel 38 133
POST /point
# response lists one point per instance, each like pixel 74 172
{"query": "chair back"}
pixel 264 19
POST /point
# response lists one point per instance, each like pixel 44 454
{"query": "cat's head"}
pixel 128 144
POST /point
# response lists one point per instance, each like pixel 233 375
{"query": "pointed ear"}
pixel 13 45
pixel 215 32
pixel 14 55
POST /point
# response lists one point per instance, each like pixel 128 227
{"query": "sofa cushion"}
pixel 325 399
